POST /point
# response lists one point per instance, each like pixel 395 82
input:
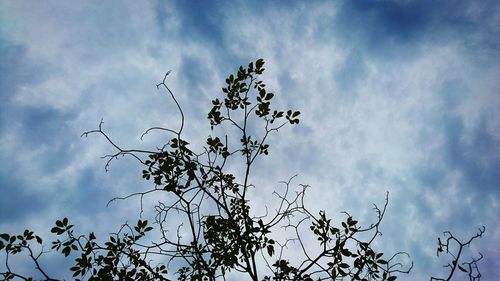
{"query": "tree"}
pixel 219 235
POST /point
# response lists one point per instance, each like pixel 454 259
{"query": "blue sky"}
pixel 398 96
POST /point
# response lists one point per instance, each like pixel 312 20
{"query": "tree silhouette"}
pixel 206 229
pixel 454 247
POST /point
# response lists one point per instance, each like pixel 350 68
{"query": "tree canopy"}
pixel 207 228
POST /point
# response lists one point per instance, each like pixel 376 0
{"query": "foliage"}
pixel 207 228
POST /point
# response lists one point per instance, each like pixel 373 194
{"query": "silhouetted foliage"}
pixel 206 228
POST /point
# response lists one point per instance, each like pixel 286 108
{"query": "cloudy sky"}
pixel 398 96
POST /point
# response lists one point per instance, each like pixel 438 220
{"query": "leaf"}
pixel 270 250
pixel 38 239
pixel 57 230
pixel 346 252
pixel 5 236
pixel 462 269
pixel 66 251
pixel 259 63
pixel 344 265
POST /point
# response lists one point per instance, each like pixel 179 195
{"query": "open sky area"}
pixel 397 96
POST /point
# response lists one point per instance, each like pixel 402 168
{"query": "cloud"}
pixel 394 95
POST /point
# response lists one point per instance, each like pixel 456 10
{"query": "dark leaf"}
pixel 5 236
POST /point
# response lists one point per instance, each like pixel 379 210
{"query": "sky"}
pixel 397 96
